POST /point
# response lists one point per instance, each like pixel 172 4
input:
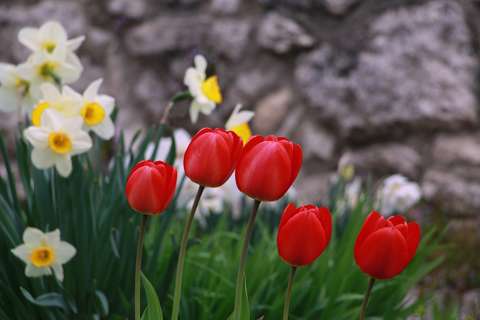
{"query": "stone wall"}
pixel 390 84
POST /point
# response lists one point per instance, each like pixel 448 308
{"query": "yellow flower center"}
pixel 92 113
pixel 243 131
pixel 347 172
pixel 211 89
pixel 43 256
pixel 59 142
pixel 47 70
pixel 37 113
pixel 49 46
pixel 22 86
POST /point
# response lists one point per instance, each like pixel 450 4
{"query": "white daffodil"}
pixel 398 194
pixel 238 123
pixel 56 141
pixel 205 91
pixel 49 37
pixel 182 140
pixel 53 98
pixel 14 90
pixel 57 67
pixel 44 253
pixel 95 109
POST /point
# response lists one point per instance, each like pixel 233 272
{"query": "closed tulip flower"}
pixel 211 156
pixel 151 186
pixel 384 247
pixel 303 234
pixel 268 167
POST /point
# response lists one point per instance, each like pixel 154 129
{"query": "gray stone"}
pixel 339 7
pixel 149 90
pixel 132 9
pixel 281 34
pixel 167 33
pixel 451 193
pixel 253 83
pixel 225 6
pixel 317 143
pixel 459 149
pixel 384 159
pixel 271 110
pixel 229 37
pixel 415 74
pixel 313 187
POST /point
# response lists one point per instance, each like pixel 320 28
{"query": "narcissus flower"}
pixel 48 38
pixel 205 90
pixel 398 194
pixel 95 109
pixel 212 156
pixel 44 253
pixel 57 67
pixel 238 123
pixel 268 167
pixel 14 90
pixel 384 247
pixel 303 234
pixel 151 186
pixel 53 98
pixel 56 140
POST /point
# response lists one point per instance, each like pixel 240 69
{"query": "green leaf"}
pixel 153 311
pixel 51 299
pixel 244 305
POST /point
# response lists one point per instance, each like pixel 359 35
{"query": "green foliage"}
pixel 90 209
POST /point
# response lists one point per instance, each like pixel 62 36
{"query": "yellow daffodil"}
pixel 44 253
pixel 52 98
pixel 205 91
pixel 238 123
pixel 95 109
pixel 56 140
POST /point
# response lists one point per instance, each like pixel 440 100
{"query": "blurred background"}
pixel 390 86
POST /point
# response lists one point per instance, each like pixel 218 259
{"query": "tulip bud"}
pixel 384 247
pixel 151 186
pixel 303 234
pixel 268 167
pixel 211 156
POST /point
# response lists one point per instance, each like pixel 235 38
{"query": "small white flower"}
pixel 48 38
pixel 14 90
pixel 353 191
pixel 398 194
pixel 56 141
pixel 95 109
pixel 182 140
pixel 52 98
pixel 58 67
pixel 44 253
pixel 238 123
pixel 205 91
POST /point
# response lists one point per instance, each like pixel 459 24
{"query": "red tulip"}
pixel 267 167
pixel 151 186
pixel 303 234
pixel 384 247
pixel 211 156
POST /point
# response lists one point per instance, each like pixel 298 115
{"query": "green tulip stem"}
pixel 288 293
pixel 181 256
pixel 138 265
pixel 243 259
pixel 371 282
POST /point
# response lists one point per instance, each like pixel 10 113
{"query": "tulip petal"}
pixel 323 214
pixel 383 253
pixel 289 212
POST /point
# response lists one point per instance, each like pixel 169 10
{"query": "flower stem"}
pixel 138 265
pixel 243 259
pixel 288 294
pixel 371 282
pixel 181 256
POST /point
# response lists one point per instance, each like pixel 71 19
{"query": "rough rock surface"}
pixel 391 84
